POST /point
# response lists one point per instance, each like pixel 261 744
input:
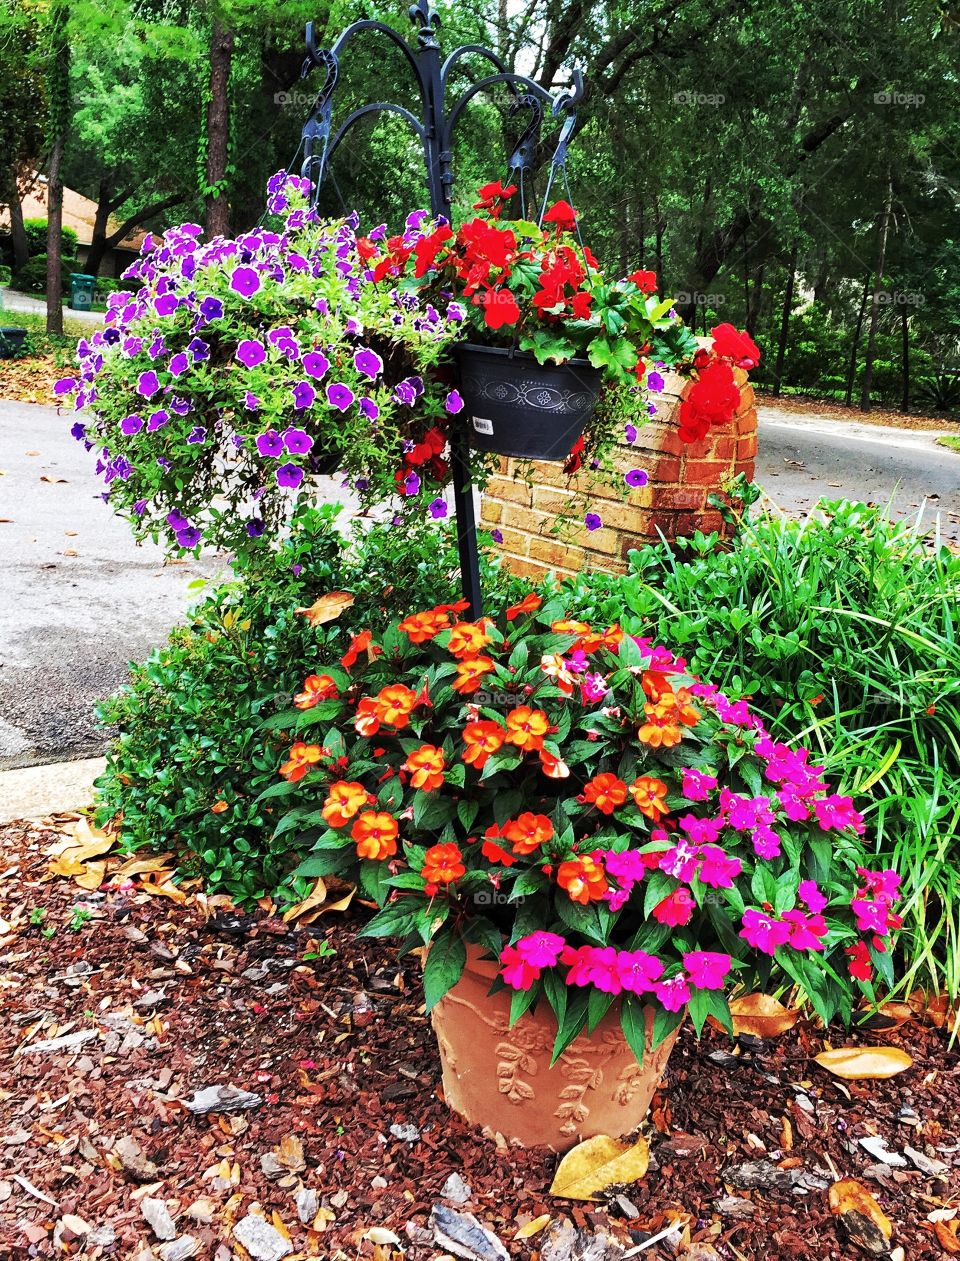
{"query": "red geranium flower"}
pixel 563 215
pixel 646 281
pixel 739 347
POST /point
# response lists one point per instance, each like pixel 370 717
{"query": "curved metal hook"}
pixel 523 157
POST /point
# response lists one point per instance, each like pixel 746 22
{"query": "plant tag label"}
pixel 482 426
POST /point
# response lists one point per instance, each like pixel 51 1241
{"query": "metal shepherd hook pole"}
pixel 434 126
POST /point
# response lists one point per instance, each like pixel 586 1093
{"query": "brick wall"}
pixel 674 502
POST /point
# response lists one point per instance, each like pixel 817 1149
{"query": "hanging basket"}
pixel 516 406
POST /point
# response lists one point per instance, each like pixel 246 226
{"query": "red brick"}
pixel 705 472
pixel 685 496
pixel 747 447
pixel 747 422
pixel 671 443
pixel 724 447
pixel 746 467
pixel 746 399
pixel 667 469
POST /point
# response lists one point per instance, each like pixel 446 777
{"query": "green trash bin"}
pixel 81 291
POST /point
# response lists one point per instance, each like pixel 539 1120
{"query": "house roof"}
pixel 79 213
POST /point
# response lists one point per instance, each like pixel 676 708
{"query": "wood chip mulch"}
pixel 100 1157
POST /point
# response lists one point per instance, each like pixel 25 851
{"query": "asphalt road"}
pixel 80 599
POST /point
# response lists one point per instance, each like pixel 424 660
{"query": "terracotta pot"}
pixel 500 1078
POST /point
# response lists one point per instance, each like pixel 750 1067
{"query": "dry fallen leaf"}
pixel 933 1007
pixel 380 1235
pixel 328 608
pixel 166 889
pixel 598 1163
pixel 946 1233
pixel 46 478
pixel 316 897
pixel 762 1016
pixel 859 1063
pixel 289 1152
pixel 534 1227
pixel 850 1196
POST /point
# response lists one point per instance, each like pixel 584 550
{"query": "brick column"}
pixel 674 502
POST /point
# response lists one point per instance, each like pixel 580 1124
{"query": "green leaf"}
pixel 374 878
pixel 327 863
pixel 446 960
pixel 522 1001
pixel 664 1023
pixel 633 1022
pixel 575 1017
pixel 598 1004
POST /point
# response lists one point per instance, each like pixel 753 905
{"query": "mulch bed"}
pixel 745 1141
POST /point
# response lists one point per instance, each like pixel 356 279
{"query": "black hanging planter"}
pixel 516 406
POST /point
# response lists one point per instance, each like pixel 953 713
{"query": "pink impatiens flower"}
pixel 763 932
pixel 540 949
pixel 637 971
pixel 718 869
pixel 706 969
pixel 697 785
pixel 805 930
pixel 673 994
pixel 515 970
pixel 811 896
pixel 676 909
pixel 836 813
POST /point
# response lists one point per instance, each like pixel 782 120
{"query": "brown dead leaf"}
pixel 327 608
pixel 861 1063
pixel 45 477
pixel 935 1008
pixel 598 1163
pixel 143 866
pixel 946 1233
pixel 81 842
pixel 316 897
pixel 850 1196
pixel 534 1227
pixel 289 1153
pixel 762 1016
pixel 166 889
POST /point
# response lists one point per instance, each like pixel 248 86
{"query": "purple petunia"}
pixel 315 364
pixel 636 477
pixel 297 441
pixel 438 509
pixel 497 536
pixel 78 431
pixel 367 362
pixel 304 395
pixel 411 484
pixel 270 443
pixel 655 382
pixel 165 304
pixel 199 349
pixel 453 402
pixel 147 384
pixel 368 408
pixel 176 520
pixel 157 420
pixel 408 391
pixel 289 475
pixel 178 364
pixel 211 309
pixel 592 521
pixel 256 527
pixel 131 425
pixel 251 352
pixel 251 402
pixel 139 507
pixel 65 386
pixel 188 537
pixel 245 281
pixel 339 396
pixel 630 433
pixel 197 436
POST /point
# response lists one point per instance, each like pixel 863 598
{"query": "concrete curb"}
pixel 34 792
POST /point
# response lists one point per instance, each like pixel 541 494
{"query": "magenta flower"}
pixel 811 896
pixel 411 484
pixel 304 395
pixel 297 441
pixel 655 382
pixel 438 509
pixel 289 475
pixel 251 402
pixel 131 425
pixel 579 960
pixel 766 842
pixel 315 364
pixel 368 408
pixel 805 930
pixel 453 402
pixel 673 994
pixel 630 433
pixel 593 687
pixel 540 949
pixel 66 385
pixel 717 868
pixel 178 364
pixel 270 444
pixel 165 304
pixel 676 909
pixel 592 521
pixel 515 970
pixel 251 352
pixel 637 971
pixel 763 933
pixel 697 785
pixel 636 477
pixel 707 970
pixel 367 362
pixel 148 383
pixel 157 420
pixel 339 396
pixel 245 281
pixel 835 812
pixel 871 917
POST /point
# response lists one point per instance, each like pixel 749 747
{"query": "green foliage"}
pixel 843 631
pixel 189 721
pixel 32 277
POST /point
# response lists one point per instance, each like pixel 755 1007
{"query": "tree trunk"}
pixel 98 239
pixel 905 331
pixel 659 226
pixel 18 235
pixel 59 79
pixel 875 306
pixel 785 322
pixel 852 367
pixel 217 209
pixel 756 299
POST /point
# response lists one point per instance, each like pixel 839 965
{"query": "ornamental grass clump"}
pixel 574 802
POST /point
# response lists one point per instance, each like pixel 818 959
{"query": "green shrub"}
pixel 843 630
pixel 189 721
pixel 32 277
pixel 36 230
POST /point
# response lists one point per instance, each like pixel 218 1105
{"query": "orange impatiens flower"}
pixel 529 604
pixel 422 627
pixel 376 835
pixel 442 864
pixel 316 688
pixel 527 728
pixel 650 794
pixel 300 759
pixel 566 626
pixel 493 852
pixel 606 792
pixel 218 807
pixel 425 766
pixel 527 832
pixel 367 718
pixel 470 674
pixel 358 644
pixel 610 638
pixel 343 801
pixel 553 767
pixel 395 704
pixel 666 718
pixel 467 638
pixel 555 667
pixel 481 739
pixel 583 879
